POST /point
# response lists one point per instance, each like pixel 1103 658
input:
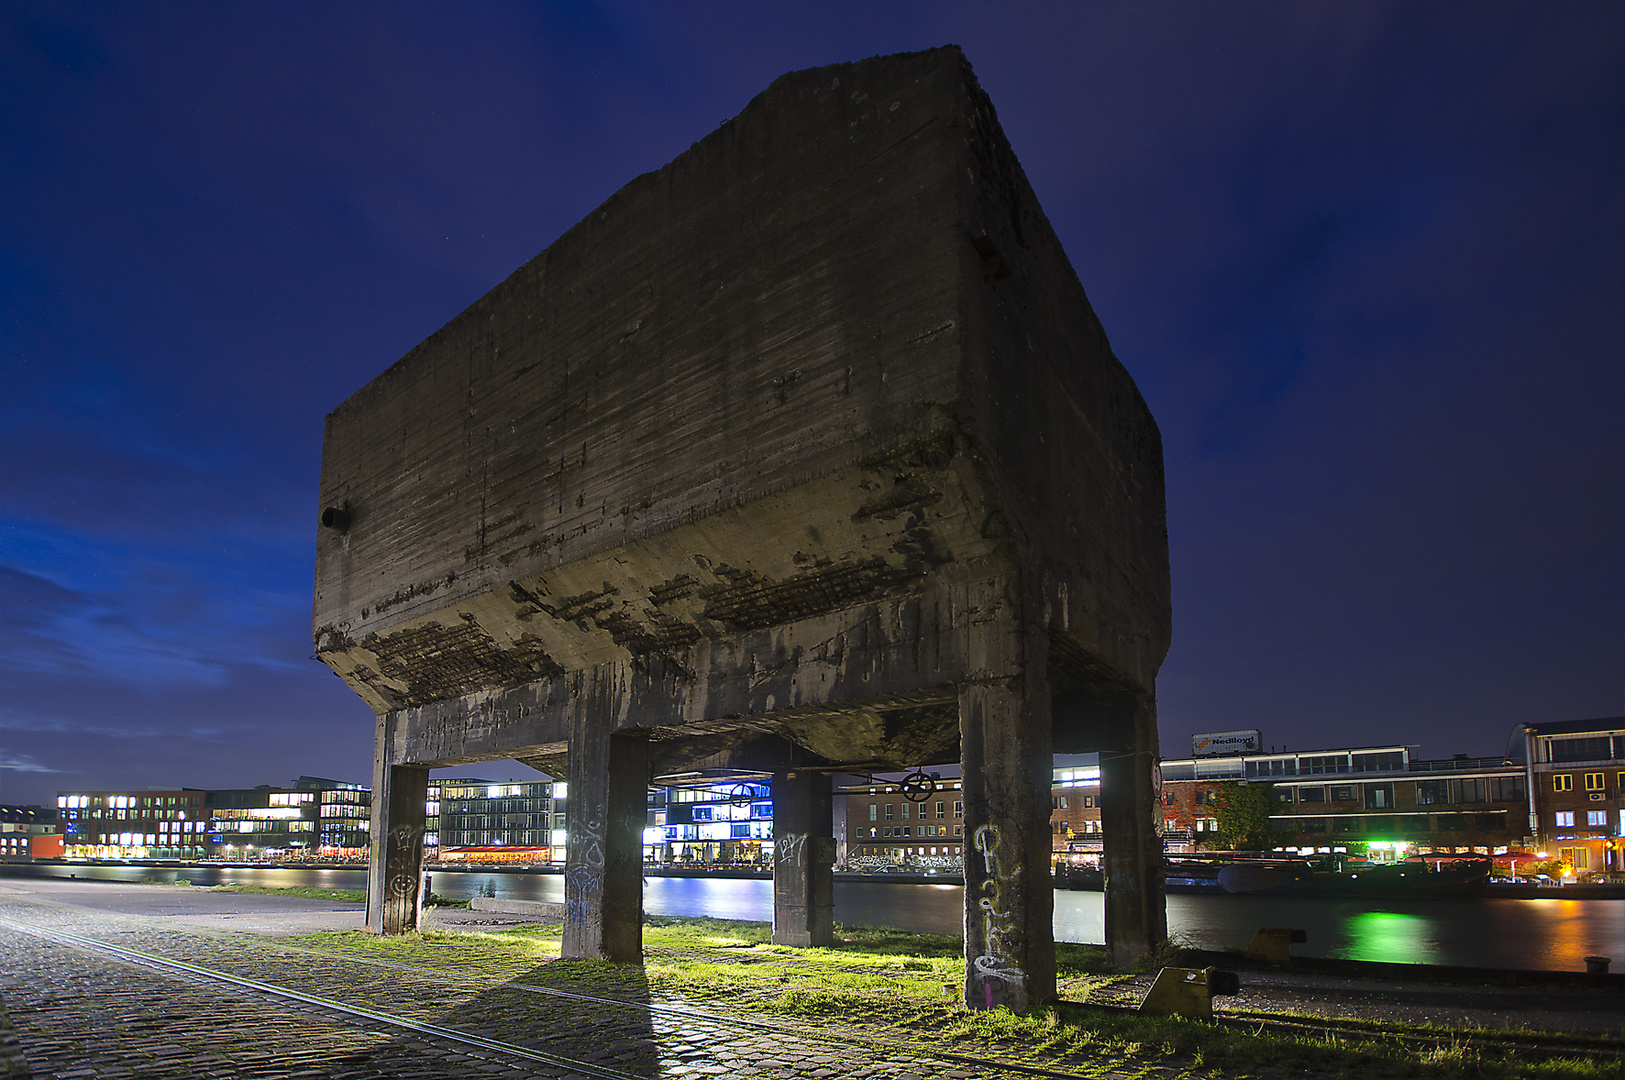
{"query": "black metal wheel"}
pixel 918 786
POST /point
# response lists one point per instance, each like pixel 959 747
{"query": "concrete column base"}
pixel 603 868
pixel 803 860
pixel 1131 840
pixel 1004 723
pixel 395 870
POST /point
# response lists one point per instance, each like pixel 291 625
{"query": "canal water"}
pixel 1543 934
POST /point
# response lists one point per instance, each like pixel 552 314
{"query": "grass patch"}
pixel 893 990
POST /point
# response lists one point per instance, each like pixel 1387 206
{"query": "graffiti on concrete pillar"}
pixel 788 849
pixel 997 962
pixel 580 886
pixel 583 881
pixel 400 868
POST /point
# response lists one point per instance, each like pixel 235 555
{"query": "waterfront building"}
pixel 727 821
pixel 892 824
pixel 343 818
pixel 1370 800
pixel 155 823
pixel 887 822
pixel 315 818
pixel 1576 770
pixel 29 832
pixel 263 823
pixel 483 822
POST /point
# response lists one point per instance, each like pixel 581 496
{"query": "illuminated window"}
pixel 1594 781
pixel 939 810
pixel 1596 817
pixel 1563 782
pixel 874 812
pixel 1565 819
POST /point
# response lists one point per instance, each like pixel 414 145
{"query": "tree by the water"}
pixel 1243 815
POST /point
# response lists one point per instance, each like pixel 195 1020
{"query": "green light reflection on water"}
pixel 1387 937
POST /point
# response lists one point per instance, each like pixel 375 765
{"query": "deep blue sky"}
pixel 1365 262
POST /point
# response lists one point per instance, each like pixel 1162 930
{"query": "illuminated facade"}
pixel 1371 800
pixel 262 823
pixel 1576 772
pixel 343 819
pixel 728 823
pixel 150 824
pixel 479 821
pixel 882 827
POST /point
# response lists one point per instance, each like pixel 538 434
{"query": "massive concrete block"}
pixel 742 462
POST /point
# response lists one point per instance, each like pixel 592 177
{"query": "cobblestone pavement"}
pixel 78 1013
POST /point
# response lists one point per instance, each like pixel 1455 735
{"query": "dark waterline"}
pixel 1543 934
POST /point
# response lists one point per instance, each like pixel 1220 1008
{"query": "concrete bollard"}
pixel 1273 944
pixel 1188 991
pixel 1598 965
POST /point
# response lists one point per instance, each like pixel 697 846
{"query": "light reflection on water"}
pixel 1551 934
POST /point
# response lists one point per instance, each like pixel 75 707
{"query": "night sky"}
pixel 1364 261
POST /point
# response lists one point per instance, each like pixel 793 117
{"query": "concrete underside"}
pixel 805 452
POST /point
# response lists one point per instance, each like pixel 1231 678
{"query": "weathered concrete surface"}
pixel 603 868
pixel 740 463
pixel 395 872
pixel 831 350
pixel 540 909
pixel 1004 726
pixel 1131 839
pixel 803 859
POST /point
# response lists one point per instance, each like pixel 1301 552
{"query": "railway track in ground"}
pixel 844 1042
pixel 845 1039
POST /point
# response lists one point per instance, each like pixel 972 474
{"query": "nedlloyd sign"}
pixel 1218 743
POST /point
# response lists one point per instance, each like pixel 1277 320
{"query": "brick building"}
pixel 1363 800
pixel 145 824
pixel 882 826
pixel 1576 770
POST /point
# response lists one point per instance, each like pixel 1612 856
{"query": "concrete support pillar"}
pixel 1004 725
pixel 1131 839
pixel 395 871
pixel 603 867
pixel 803 859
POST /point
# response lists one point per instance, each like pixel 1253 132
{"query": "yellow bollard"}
pixel 1188 991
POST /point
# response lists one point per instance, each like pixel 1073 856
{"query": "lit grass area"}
pixel 891 989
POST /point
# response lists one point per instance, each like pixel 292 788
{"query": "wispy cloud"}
pixel 24 763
